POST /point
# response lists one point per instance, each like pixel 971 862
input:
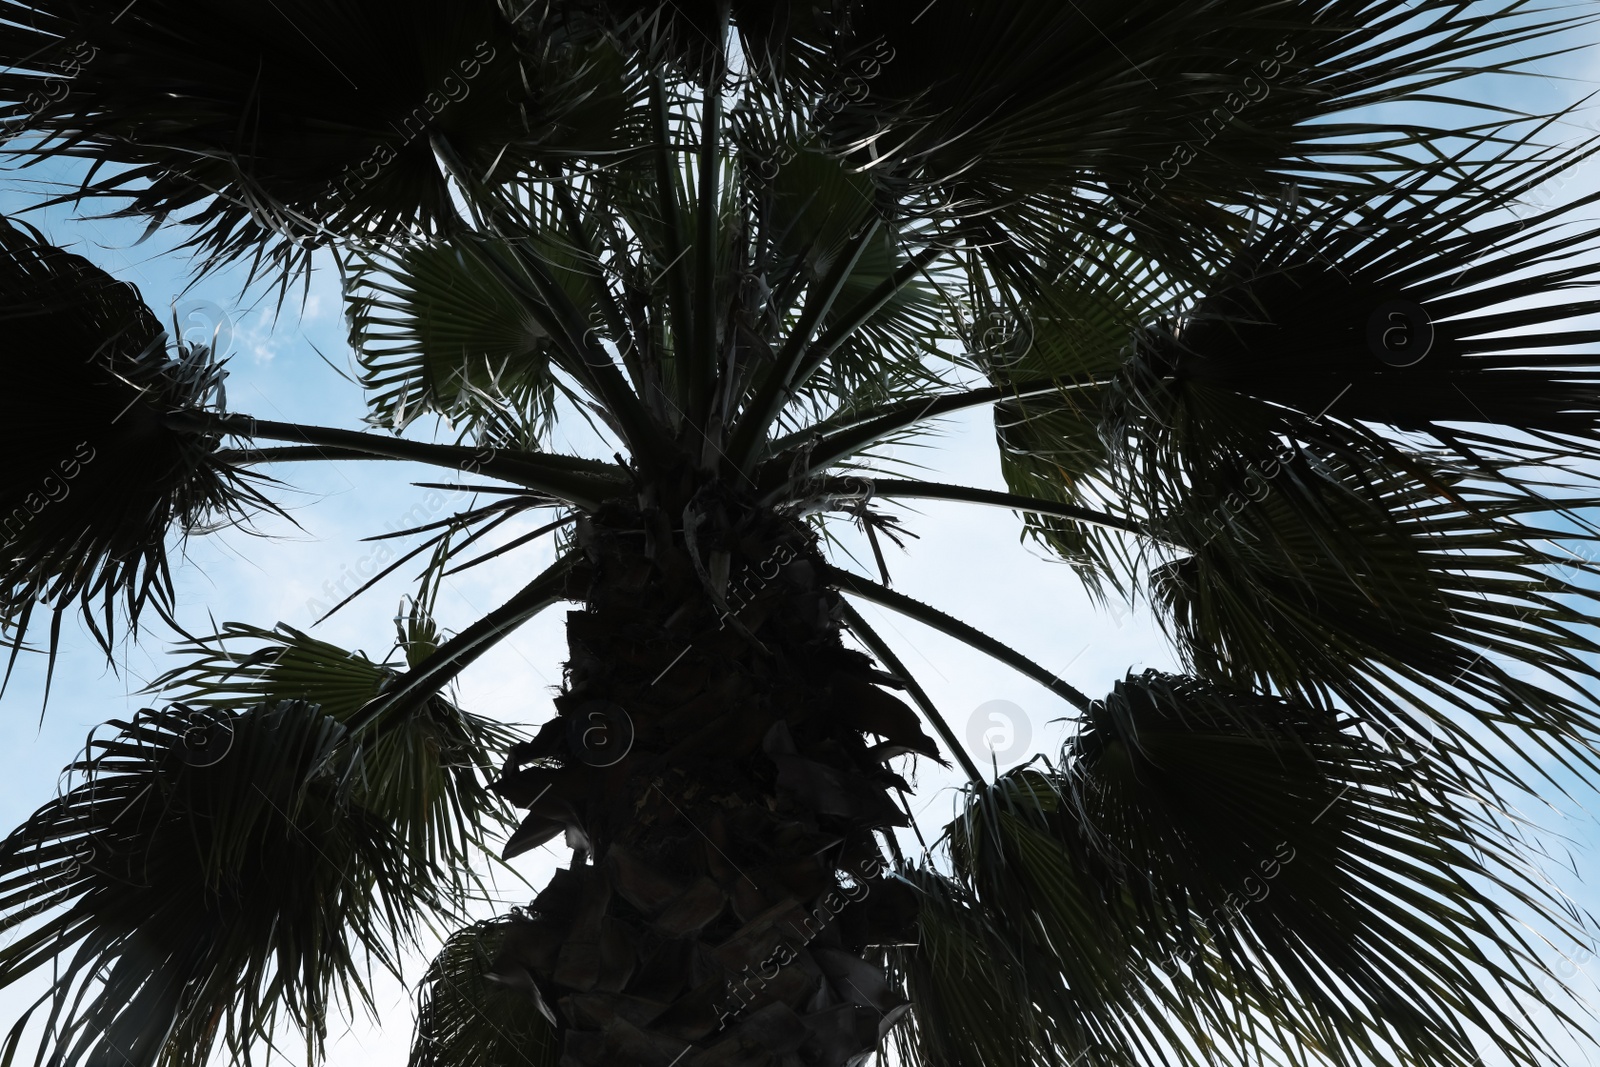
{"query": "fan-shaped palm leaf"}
pixel 1388 591
pixel 782 43
pixel 299 119
pixel 1299 528
pixel 438 330
pixel 426 772
pixel 464 1016
pixel 1076 331
pixel 1021 117
pixel 1417 315
pixel 214 870
pixel 1255 851
pixel 971 1002
pixel 95 480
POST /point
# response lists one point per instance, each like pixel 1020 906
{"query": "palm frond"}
pixel 893 353
pixel 438 331
pixel 817 203
pixel 1420 310
pixel 1303 341
pixel 95 480
pixel 1026 123
pixel 1278 871
pixel 1301 546
pixel 971 1002
pixel 426 773
pixel 1077 331
pixel 783 44
pixel 275 128
pixel 1413 600
pixel 465 1017
pixel 215 872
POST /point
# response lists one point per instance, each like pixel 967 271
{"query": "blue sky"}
pixel 967 561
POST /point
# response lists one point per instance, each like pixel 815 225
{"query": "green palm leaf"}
pixel 306 120
pixel 1076 331
pixel 439 330
pixel 1303 339
pixel 426 773
pixel 1035 121
pixel 971 1002
pixel 1420 310
pixel 1296 546
pixel 1402 598
pixel 1268 863
pixel 95 480
pixel 214 871
pixel 465 1017
pixel 782 42
pixel 889 356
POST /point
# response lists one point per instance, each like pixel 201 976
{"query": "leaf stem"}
pixel 581 483
pixel 894 488
pixel 948 624
pixel 415 686
pixel 881 649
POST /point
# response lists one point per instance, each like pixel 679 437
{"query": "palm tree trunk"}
pixel 710 768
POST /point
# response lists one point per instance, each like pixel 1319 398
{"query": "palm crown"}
pixel 1261 346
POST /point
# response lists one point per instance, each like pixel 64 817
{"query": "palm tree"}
pixel 1262 342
